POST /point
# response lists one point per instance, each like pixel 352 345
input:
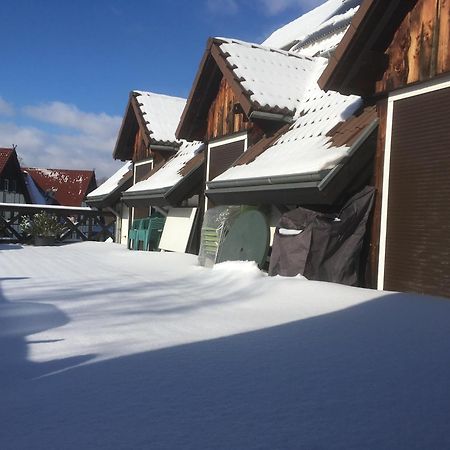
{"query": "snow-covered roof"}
pixel 273 79
pixel 36 196
pixel 161 114
pixel 171 172
pixel 63 186
pixel 114 182
pixel 316 31
pixel 305 147
pixel 5 154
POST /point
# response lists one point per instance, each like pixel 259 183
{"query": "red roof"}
pixel 5 154
pixel 67 187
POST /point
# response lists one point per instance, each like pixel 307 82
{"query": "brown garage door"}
pixel 418 226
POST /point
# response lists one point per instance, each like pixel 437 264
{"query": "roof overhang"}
pixel 213 66
pixel 190 184
pixel 133 121
pixel 316 188
pixel 360 60
pixel 109 199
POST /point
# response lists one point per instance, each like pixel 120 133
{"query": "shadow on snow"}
pixel 374 376
pixel 21 319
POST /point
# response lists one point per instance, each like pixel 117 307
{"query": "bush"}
pixel 41 225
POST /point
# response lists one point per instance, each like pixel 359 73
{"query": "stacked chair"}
pixel 145 234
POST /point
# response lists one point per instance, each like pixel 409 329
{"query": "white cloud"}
pixel 270 7
pixel 227 7
pixel 86 140
pixel 6 109
pixel 273 7
pixel 69 116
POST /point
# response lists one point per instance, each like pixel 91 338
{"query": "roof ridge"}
pixel 263 47
pixel 157 94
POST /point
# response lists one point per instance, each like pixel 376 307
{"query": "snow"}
pixel 114 182
pixel 305 147
pixel 162 114
pixel 315 22
pixel 169 174
pixel 104 348
pixel 35 194
pixel 275 78
pixel 19 206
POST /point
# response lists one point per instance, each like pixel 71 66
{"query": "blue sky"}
pixel 68 66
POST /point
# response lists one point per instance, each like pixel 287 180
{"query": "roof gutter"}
pixel 164 148
pixel 264 115
pixel 312 177
pixel 130 197
pixel 318 187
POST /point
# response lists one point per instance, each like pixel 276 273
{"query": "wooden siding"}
pixel 140 149
pixel 222 157
pixel 420 49
pixel 418 227
pixel 225 116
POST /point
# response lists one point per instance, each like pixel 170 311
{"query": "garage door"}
pixel 418 215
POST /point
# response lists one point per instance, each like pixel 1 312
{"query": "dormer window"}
pixel 142 170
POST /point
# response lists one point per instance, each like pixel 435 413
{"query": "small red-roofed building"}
pixel 12 184
pixel 60 186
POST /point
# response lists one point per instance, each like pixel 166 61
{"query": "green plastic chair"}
pixel 133 233
pixel 150 232
pixel 142 232
pixel 154 233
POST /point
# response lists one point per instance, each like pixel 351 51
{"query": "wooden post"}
pixel 375 225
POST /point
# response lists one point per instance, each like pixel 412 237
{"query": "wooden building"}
pixel 108 197
pixel 397 53
pixel 12 184
pixel 64 187
pixel 273 137
pixel 168 173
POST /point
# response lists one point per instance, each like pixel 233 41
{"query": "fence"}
pixel 81 223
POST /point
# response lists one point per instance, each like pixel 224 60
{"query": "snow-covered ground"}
pixel 104 348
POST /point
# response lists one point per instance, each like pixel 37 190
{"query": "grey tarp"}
pixel 327 246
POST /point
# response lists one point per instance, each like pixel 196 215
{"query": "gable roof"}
pixel 172 181
pixel 359 59
pixel 317 31
pixel 264 80
pixel 156 115
pixel 109 192
pixel 64 187
pixel 326 133
pixel 5 156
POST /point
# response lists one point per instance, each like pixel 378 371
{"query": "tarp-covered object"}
pixel 323 247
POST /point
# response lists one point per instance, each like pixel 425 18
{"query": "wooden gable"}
pixel 390 45
pixel 225 115
pixel 134 142
pixel 219 105
pixel 420 48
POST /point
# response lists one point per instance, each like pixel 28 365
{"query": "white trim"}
pixel 141 163
pixel 422 88
pixel 411 91
pixel 228 139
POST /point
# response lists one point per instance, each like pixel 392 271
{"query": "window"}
pixel 223 153
pixel 142 170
